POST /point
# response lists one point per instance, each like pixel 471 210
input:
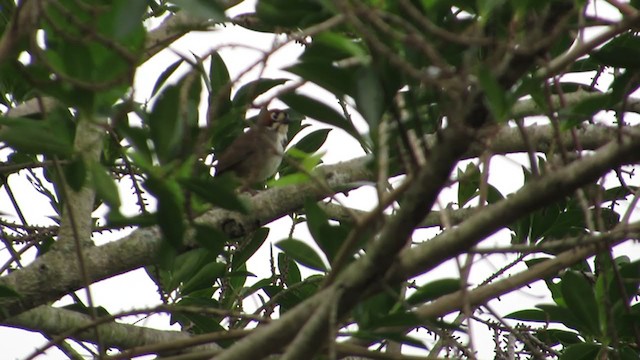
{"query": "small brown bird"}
pixel 255 155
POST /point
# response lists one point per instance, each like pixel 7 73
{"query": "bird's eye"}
pixel 274 115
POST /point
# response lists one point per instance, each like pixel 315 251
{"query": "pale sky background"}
pixel 135 290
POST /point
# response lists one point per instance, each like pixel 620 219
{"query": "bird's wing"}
pixel 243 148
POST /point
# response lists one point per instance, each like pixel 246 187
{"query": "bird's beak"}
pixel 283 117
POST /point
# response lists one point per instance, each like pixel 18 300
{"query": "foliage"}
pixel 443 88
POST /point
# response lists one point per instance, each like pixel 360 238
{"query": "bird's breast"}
pixel 273 155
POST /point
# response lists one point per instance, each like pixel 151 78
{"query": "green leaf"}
pixel 165 75
pixel 75 173
pixel 289 179
pixel 319 111
pixel 554 337
pixel 291 13
pixel 329 46
pixel 170 206
pixel 117 220
pixel 580 299
pixel 7 292
pixel 371 311
pixel 560 314
pixel 327 237
pixel 582 351
pixel 35 137
pixel 185 267
pixel 305 165
pixel 288 269
pixel 247 250
pixel 219 99
pixel 621 52
pixel 369 97
pixel 497 98
pixel 468 184
pixel 433 290
pixel 302 253
pixel 529 315
pixel 583 110
pixel 237 279
pixel 338 81
pixel 218 191
pixel 126 20
pixel 204 278
pixel 251 90
pixel 623 85
pixel 197 323
pixel 629 272
pixel 203 9
pixel 312 141
pixel 210 238
pixel 165 124
pixel 104 185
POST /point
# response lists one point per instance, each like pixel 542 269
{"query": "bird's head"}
pixel 274 119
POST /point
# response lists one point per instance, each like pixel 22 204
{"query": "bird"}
pixel 256 154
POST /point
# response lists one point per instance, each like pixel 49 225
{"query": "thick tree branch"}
pixel 53 275
pixel 56 321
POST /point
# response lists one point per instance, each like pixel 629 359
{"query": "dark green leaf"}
pixel 290 13
pixel 624 85
pixel 166 125
pixel 203 9
pixel 497 98
pixel 75 173
pixel 259 285
pixel 237 279
pixel 621 52
pixel 165 75
pixel 369 96
pixel 630 274
pixel 328 47
pixel 126 21
pixel 336 80
pixel 312 141
pixel 529 315
pixel 302 253
pixel 204 278
pixel 468 184
pixel 35 136
pixel 580 299
pixel 553 337
pixel 170 206
pixel 117 220
pixel 220 97
pixel 211 238
pixel 251 90
pixel 319 111
pixel 560 314
pixel 218 191
pixel 247 250
pixel 322 232
pixel 105 186
pixel 288 270
pixel 185 267
pixel 433 290
pixel 582 351
pixel 584 110
pixel 7 292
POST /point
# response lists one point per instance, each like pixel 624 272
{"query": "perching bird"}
pixel 255 155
